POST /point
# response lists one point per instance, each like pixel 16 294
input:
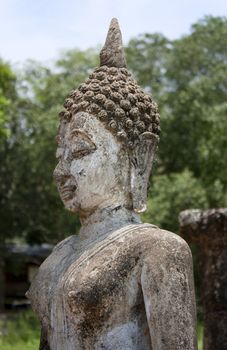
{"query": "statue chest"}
pixel 82 296
pixel 101 285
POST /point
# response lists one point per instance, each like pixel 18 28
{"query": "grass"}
pixel 20 331
pixel 200 335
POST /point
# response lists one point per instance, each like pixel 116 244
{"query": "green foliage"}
pixel 7 95
pixel 147 57
pixel 44 91
pixel 200 335
pixel 194 109
pixel 30 205
pixel 186 76
pixel 169 194
pixel 20 331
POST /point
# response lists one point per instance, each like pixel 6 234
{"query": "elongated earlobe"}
pixel 141 164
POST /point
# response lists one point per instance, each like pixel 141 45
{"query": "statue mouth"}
pixel 68 191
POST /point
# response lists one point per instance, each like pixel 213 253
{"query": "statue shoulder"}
pixel 70 241
pixel 64 248
pixel 53 266
pixel 151 237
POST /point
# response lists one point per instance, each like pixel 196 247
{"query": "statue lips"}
pixel 66 185
pixel 68 191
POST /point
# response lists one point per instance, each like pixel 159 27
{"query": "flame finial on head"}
pixel 112 53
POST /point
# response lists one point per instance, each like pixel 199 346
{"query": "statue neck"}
pixel 104 221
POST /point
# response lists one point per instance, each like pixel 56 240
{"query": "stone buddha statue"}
pixel 119 284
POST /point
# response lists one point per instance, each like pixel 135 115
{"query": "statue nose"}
pixel 61 173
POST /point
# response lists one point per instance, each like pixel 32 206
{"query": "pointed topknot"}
pixel 112 54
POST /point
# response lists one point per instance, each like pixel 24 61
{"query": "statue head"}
pixel 108 134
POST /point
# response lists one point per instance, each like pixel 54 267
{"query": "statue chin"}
pixel 72 205
pixel 68 197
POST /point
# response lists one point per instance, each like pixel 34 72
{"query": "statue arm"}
pixel 168 290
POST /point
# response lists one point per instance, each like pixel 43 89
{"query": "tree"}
pixel 31 206
pixel 170 194
pixel 187 78
pixel 190 86
pixel 7 98
pixel 147 58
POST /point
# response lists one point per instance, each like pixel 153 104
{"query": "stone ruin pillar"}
pixel 208 230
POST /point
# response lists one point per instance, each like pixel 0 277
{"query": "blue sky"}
pixel 41 29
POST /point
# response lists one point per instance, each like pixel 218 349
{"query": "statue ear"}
pixel 141 160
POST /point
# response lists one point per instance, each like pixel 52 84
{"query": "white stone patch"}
pixel 122 337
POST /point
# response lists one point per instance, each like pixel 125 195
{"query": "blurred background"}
pixel 176 50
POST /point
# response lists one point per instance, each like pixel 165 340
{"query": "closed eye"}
pixel 77 154
pixel 81 145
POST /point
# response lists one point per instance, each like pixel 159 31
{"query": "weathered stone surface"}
pixel 112 54
pixel 130 290
pixel 119 284
pixel 208 230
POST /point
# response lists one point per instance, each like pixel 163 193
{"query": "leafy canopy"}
pixel 187 77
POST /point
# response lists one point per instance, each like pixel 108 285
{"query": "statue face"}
pixel 93 169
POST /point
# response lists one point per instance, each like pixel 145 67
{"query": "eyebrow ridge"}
pixel 83 134
pixel 79 132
